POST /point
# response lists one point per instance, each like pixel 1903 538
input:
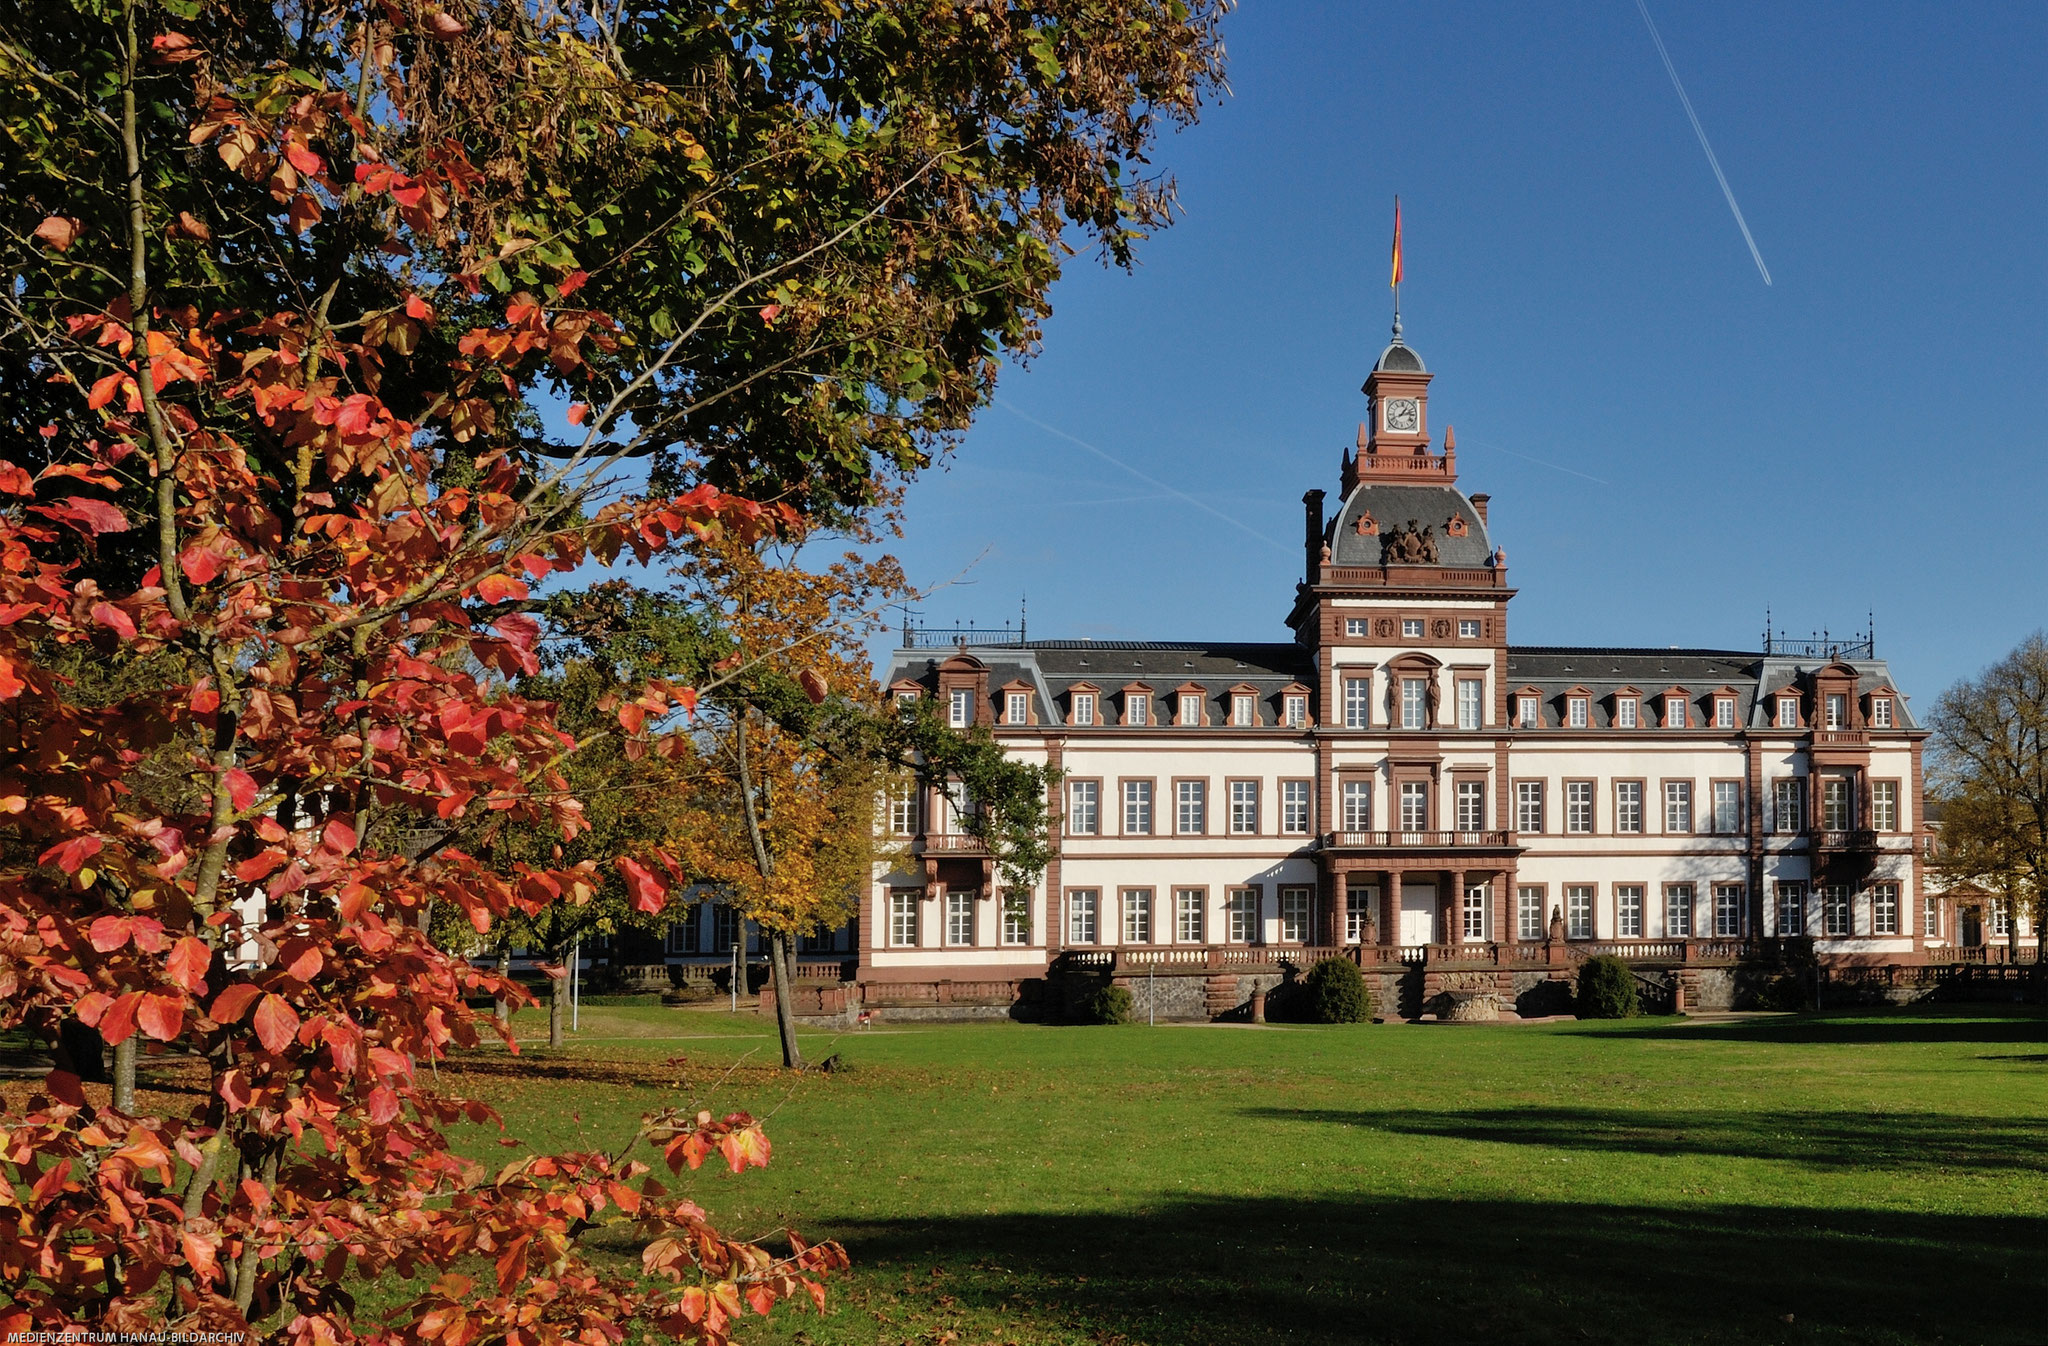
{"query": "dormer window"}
pixel 1578 712
pixel 1724 712
pixel 1297 712
pixel 1190 708
pixel 1674 711
pixel 1244 709
pixel 1836 711
pixel 1625 712
pixel 1526 713
pixel 1788 712
pixel 960 707
pixel 1137 708
pixel 1355 626
pixel 906 704
pixel 1084 708
pixel 1411 628
pixel 1880 712
pixel 1017 708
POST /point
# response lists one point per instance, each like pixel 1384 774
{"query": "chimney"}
pixel 1479 503
pixel 1313 505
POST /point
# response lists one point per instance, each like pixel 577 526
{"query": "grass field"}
pixel 1866 1179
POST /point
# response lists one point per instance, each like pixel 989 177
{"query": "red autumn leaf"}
pixel 686 697
pixel 306 965
pixel 499 588
pixel 97 515
pixel 769 312
pixel 416 307
pixel 444 25
pixel 241 788
pixel 643 888
pixel 383 1105
pixel 14 481
pixel 117 1025
pixel 359 415
pixel 338 836
pixel 571 283
pixel 161 1016
pixel 191 227
pixel 200 564
pixel 109 933
pixel 230 1005
pixel 105 390
pixel 200 1256
pixel 813 683
pixel 204 700
pixel 304 213
pixel 277 1023
pixel 59 231
pixel 173 49
pixel 188 963
pixel 578 411
pixel 115 620
pixel 303 159
pixel 72 855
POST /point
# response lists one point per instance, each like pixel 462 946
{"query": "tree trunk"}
pixel 2012 927
pixel 783 968
pixel 124 1075
pixel 558 1006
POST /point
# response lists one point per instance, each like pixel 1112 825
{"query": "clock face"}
pixel 1403 413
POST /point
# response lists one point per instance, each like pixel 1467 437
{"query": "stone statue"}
pixel 1557 925
pixel 1412 545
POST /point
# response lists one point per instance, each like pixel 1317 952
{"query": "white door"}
pixel 1418 913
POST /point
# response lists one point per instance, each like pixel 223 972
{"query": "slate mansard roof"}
pixel 1555 669
pixel 1392 506
pixel 1053 666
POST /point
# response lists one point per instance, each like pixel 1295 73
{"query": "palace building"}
pixel 1404 784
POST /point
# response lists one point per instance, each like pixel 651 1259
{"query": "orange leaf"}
pixel 307 965
pixel 230 1005
pixel 498 588
pixel 161 1016
pixel 277 1023
pixel 645 890
pixel 577 412
pixel 200 564
pixel 188 963
pixel 117 1025
pixel 115 620
pixel 59 231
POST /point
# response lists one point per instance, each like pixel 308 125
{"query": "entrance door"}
pixel 1972 923
pixel 1418 913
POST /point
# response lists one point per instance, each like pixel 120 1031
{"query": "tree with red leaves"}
pixel 295 292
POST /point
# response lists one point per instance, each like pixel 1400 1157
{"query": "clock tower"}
pixel 1397 398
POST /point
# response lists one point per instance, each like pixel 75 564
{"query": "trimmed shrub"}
pixel 1110 1005
pixel 1337 994
pixel 1607 989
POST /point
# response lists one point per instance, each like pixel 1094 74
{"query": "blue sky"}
pixel 1671 446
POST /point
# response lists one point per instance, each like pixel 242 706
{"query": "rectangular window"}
pixel 1244 808
pixel 1294 808
pixel 1880 712
pixel 1578 806
pixel 1474 908
pixel 1084 808
pixel 1727 910
pixel 1529 806
pixel 903 809
pixel 1471 805
pixel 1578 911
pixel 1724 712
pixel 906 704
pixel 1414 703
pixel 1628 807
pixel 1137 708
pixel 1241 908
pixel 725 926
pixel 1191 807
pixel 959 917
pixel 1017 708
pixel 960 708
pixel 1787 804
pixel 1137 808
pixel 1357 703
pixel 1678 910
pixel 1297 711
pixel 1017 916
pixel 1411 628
pixel 1084 708
pixel 1244 710
pixel 903 904
pixel 1678 806
pixel 1414 806
pixel 2001 922
pixel 1578 712
pixel 1930 917
pixel 1190 708
pixel 1529 913
pixel 1674 712
pixel 1137 915
pixel 1081 913
pixel 959 804
pixel 1356 796
pixel 1884 909
pixel 1836 912
pixel 1625 712
pixel 1187 915
pixel 1468 628
pixel 1884 805
pixel 1526 712
pixel 1628 910
pixel 1837 711
pixel 1471 703
pixel 1727 807
pixel 1835 813
pixel 1358 905
pixel 1355 627
pixel 1295 904
pixel 1791 910
pixel 1788 712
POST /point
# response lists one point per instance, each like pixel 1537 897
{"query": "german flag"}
pixel 1395 283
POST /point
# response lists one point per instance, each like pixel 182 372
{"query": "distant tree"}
pixel 1989 770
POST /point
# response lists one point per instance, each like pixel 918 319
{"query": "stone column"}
pixel 1454 928
pixel 1390 932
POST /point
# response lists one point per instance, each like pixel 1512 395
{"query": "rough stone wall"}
pixel 941 1013
pixel 1175 998
pixel 1539 994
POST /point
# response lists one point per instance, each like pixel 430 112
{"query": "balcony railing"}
pixel 1417 840
pixel 951 843
pixel 1842 738
pixel 1378 575
pixel 1853 839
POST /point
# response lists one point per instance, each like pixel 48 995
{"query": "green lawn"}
pixel 1866 1179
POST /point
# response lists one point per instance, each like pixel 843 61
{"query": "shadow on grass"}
pixel 1906 1026
pixel 1822 1140
pixel 1337 1270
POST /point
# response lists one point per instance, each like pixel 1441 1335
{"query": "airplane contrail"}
pixel 1176 493
pixel 1701 132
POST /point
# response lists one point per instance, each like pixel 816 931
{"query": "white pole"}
pixel 576 985
pixel 735 977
